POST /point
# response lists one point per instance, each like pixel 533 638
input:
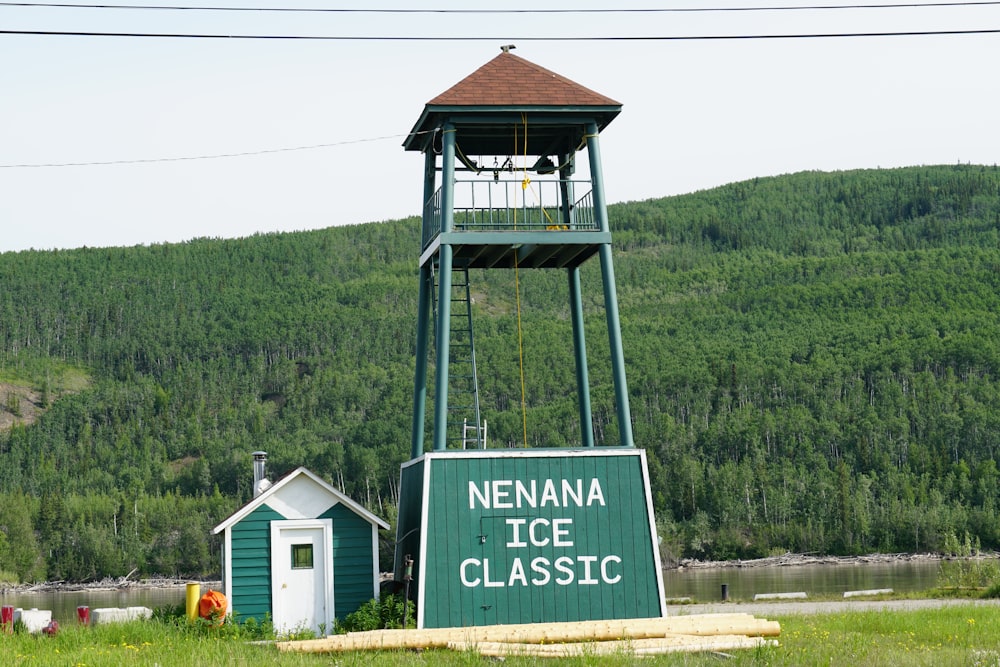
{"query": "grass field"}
pixel 960 635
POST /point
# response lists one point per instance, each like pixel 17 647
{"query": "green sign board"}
pixel 530 536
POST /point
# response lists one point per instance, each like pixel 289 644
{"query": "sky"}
pixel 123 141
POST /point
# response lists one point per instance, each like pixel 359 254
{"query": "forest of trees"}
pixel 813 364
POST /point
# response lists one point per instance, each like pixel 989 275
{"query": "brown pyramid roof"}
pixel 509 91
pixel 508 80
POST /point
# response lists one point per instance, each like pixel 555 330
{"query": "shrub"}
pixel 380 614
pixel 969 569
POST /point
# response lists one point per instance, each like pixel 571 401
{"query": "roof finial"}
pixel 506 48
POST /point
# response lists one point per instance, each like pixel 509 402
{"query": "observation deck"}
pixel 503 223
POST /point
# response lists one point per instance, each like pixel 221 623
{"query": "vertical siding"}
pixel 251 564
pixel 411 489
pixel 353 560
pixel 618 529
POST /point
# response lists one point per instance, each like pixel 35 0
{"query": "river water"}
pixel 63 604
pixel 703 585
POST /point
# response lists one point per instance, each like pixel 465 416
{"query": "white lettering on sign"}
pixel 516 540
pixel 558 533
pixel 510 494
pixel 486 577
pixel 538 532
pixel 605 576
pixel 587 578
pixel 517 573
pixel 580 570
pixel 463 570
pixel 540 566
pixel 563 565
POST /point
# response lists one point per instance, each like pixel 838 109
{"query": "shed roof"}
pixel 335 495
pixel 506 91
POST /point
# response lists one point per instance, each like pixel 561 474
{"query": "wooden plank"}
pixel 677 644
pixel 576 631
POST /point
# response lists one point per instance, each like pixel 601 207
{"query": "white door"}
pixel 302 575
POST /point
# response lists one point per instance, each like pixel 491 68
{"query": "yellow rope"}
pixel 517 280
pixel 472 166
pixel 526 182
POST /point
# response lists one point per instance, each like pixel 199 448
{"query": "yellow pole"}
pixel 193 596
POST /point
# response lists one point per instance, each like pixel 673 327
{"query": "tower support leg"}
pixel 580 354
pixel 610 295
pixel 420 379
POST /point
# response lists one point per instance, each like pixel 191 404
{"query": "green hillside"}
pixel 813 365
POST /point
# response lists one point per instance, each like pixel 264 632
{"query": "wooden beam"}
pixel 635 647
pixel 569 632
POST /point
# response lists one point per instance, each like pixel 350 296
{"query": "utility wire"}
pixel 455 38
pixel 450 38
pixel 636 10
pixel 201 157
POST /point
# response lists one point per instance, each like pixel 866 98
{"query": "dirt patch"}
pixel 18 405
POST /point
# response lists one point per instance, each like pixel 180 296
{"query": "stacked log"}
pixel 635 647
pixel 699 632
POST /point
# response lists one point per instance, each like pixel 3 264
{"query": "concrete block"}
pixel 136 613
pixel 871 591
pixel 108 615
pixel 119 615
pixel 780 596
pixel 34 620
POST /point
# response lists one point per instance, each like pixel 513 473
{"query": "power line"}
pixel 457 38
pixel 201 157
pixel 636 10
pixel 452 38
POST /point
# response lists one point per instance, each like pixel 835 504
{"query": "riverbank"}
pixel 802 607
pixel 106 584
pixel 790 559
pixel 783 560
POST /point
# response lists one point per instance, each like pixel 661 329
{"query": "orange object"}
pixel 212 606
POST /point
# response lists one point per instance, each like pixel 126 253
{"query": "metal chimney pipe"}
pixel 259 481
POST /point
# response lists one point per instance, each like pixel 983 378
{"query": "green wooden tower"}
pixel 517 535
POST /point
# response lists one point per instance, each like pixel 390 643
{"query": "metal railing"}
pixel 512 205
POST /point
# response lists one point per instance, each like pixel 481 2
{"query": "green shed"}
pixel 301 551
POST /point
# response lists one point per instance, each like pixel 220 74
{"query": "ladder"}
pixel 464 419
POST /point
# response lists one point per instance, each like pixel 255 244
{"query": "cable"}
pixel 517 280
pixel 636 10
pixel 204 157
pixel 453 38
